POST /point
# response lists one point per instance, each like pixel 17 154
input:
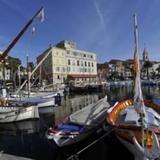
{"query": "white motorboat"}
pixel 40 102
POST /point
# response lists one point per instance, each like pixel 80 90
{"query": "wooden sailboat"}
pixel 137 121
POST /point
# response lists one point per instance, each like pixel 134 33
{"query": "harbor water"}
pixel 27 138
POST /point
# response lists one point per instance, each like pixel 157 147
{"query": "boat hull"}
pixel 62 140
pixel 80 124
pixel 21 114
pixel 129 130
pixel 132 149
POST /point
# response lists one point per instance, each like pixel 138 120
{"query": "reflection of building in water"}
pixel 73 104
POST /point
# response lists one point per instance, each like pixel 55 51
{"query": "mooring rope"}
pixel 76 155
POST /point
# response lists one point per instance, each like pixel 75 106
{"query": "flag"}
pixel 40 15
pixel 33 30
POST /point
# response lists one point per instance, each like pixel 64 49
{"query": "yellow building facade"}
pixel 66 63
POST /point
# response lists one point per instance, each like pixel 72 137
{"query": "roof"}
pixel 114 61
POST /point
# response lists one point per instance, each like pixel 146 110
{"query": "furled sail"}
pixel 138 97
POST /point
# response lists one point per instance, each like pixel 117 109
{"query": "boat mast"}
pixel 38 65
pixel 138 97
pixel 28 77
pixel 19 75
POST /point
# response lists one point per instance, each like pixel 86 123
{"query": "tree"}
pixel 158 69
pixel 13 64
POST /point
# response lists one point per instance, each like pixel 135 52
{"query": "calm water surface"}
pixel 27 138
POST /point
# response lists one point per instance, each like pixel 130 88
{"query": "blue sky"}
pixel 101 26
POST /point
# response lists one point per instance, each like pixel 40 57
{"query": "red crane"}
pixel 38 14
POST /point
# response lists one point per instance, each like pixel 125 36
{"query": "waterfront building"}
pixel 116 67
pixel 154 70
pixel 128 66
pixel 102 72
pixel 66 63
pixel 53 68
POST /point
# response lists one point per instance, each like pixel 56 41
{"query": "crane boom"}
pixel 19 35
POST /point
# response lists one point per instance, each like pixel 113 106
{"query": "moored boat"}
pixel 39 102
pixel 80 124
pixel 24 113
pixel 128 128
pixel 136 121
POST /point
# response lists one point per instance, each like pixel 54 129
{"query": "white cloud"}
pixel 100 14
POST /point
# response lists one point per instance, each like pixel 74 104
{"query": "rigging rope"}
pixel 76 155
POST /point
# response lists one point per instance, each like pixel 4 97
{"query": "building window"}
pixel 68 52
pixel 58 76
pixel 69 62
pixel 63 69
pixel 68 69
pixel 88 64
pixel 74 53
pixel 81 63
pixel 77 63
pixel 57 69
pixel 92 64
pixel 85 63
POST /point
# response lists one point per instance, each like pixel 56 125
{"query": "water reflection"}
pixel 28 138
pixel 121 93
pixel 73 103
pixel 24 127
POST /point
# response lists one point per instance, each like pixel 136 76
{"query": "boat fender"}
pixel 156 141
